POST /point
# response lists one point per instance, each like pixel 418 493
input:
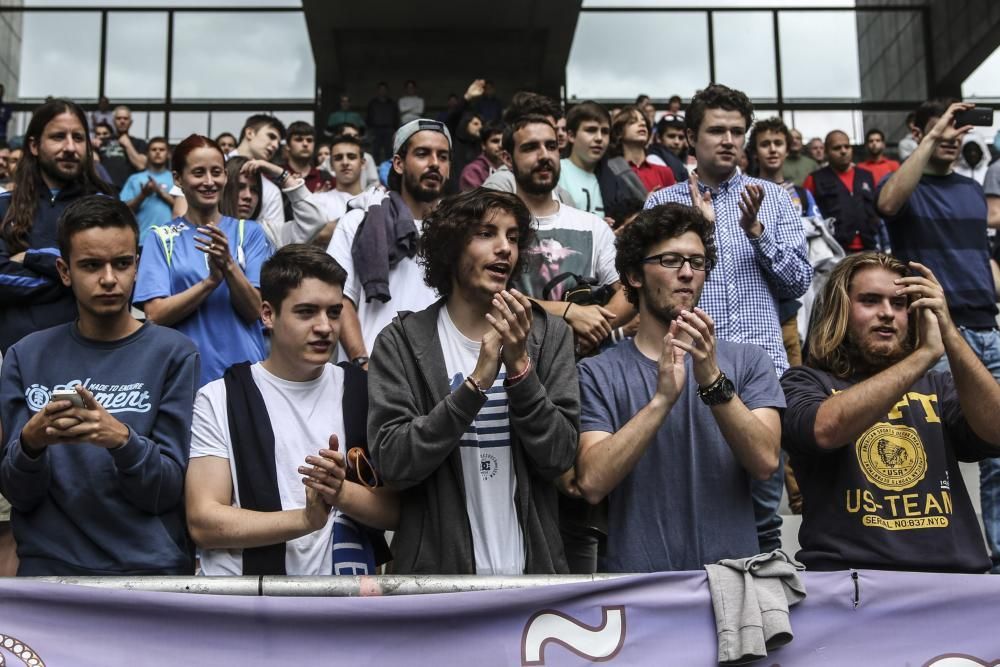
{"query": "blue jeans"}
pixel 766 495
pixel 986 345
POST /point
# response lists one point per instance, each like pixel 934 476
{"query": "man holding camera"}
pixel 938 218
pixel 568 241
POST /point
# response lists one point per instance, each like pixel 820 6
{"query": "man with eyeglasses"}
pixel 675 446
pixel 278 481
pixel 761 242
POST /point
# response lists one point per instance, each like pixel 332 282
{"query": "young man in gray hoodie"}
pixel 474 406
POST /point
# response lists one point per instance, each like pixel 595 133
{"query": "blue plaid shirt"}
pixel 751 274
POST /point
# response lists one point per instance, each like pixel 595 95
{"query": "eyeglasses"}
pixel 671 260
pixel 362 468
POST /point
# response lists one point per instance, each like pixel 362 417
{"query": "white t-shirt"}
pixel 333 203
pixel 406 282
pixel 570 241
pixel 303 415
pixel 487 462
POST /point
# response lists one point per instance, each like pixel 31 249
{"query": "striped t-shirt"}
pixel 487 463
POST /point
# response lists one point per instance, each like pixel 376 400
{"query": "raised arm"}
pixel 901 183
pixel 978 391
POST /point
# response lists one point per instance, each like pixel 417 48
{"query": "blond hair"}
pixel 829 349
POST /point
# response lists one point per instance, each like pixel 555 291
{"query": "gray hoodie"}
pixel 415 424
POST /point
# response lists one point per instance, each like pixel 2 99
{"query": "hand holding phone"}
pixel 978 116
pixel 67 395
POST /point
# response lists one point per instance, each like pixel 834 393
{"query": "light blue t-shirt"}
pixel 687 501
pixel 170 264
pixel 153 210
pixel 583 186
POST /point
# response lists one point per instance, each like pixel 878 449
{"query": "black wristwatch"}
pixel 720 391
pixel 359 361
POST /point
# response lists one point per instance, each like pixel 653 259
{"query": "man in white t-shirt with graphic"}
pixel 473 412
pixel 376 240
pixel 568 240
pixel 269 486
pixel 572 241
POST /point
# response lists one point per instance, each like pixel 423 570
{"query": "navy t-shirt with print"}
pixel 894 498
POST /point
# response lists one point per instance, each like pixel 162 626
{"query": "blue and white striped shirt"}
pixel 751 274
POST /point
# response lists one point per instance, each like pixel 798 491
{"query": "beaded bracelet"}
pixel 514 379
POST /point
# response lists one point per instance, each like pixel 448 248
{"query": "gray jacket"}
pixel 415 424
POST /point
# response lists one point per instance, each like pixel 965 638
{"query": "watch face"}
pixel 720 393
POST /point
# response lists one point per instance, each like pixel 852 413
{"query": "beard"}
pixel 873 357
pixel 422 193
pixel 528 183
pixel 665 313
pixel 52 170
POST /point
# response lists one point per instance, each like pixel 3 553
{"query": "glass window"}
pixel 210 63
pixel 744 53
pixel 184 123
pixel 147 124
pixel 666 54
pixel 60 55
pixel 137 56
pixel 984 82
pixel 819 55
pixel 819 123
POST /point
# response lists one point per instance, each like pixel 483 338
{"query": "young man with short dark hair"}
pixel 762 248
pixel 492 158
pixel 267 488
pixel 97 418
pixel 260 139
pixel 939 218
pixel 474 406
pixel 877 163
pixel 589 127
pixel 301 151
pixel 674 422
pixel 147 193
pixel 347 161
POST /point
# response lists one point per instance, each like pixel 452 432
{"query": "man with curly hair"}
pixel 876 432
pixel 474 405
pixel 762 247
pixel 676 444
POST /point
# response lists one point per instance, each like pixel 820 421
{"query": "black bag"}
pixel 586 292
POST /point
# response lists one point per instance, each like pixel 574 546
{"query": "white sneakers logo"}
pixel 115 398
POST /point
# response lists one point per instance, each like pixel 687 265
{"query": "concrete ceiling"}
pixel 443 45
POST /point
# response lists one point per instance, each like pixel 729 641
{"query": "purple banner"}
pixel 906 619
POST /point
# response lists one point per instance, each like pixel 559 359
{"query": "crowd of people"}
pixel 510 339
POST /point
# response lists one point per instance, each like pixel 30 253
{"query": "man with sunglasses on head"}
pixel 279 480
pixel 676 445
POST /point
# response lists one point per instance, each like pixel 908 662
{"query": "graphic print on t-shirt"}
pixel 490 428
pixel 557 251
pixel 892 458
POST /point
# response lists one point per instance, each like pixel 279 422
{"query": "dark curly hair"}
pixel 717 96
pixel 773 124
pixel 652 225
pixel 447 230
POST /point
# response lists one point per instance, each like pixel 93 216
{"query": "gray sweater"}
pixel 415 424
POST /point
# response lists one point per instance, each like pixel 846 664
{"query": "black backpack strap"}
pixel 253 458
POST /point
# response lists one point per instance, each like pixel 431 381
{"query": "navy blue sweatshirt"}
pixel 32 297
pixel 80 509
